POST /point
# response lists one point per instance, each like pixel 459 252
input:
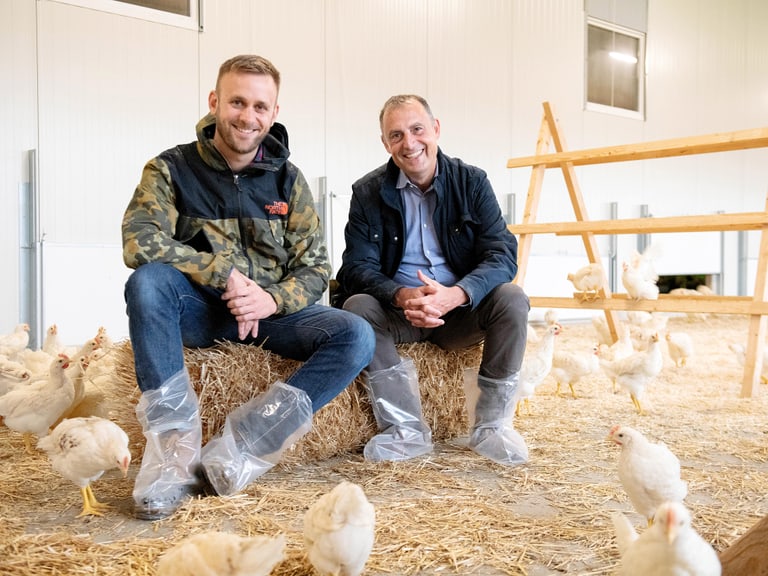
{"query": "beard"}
pixel 238 142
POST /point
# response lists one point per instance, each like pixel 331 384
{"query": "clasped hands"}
pixel 248 302
pixel 425 305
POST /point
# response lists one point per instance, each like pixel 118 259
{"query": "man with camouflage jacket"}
pixel 226 245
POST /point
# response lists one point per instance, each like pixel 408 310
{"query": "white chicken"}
pixel 79 364
pixel 622 348
pixel 537 364
pixel 570 367
pixel 550 316
pixel 649 472
pixel 34 408
pixel 339 530
pixel 636 371
pixel 741 354
pixel 638 287
pixel 12 375
pixel 680 347
pixel 223 554
pixel 36 361
pixel 82 449
pixel 14 342
pixel 588 280
pixel 600 325
pixel 671 546
pixel 645 263
pixel 51 343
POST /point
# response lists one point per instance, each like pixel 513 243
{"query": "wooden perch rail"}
pixel 707 223
pixel 756 306
pixel 724 142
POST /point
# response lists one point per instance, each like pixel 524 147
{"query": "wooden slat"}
pixel 665 303
pixel 720 142
pixel 532 200
pixel 704 223
pixel 758 325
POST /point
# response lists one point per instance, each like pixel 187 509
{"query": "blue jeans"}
pixel 166 312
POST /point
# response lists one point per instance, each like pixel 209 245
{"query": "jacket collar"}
pixel 391 195
pixel 274 147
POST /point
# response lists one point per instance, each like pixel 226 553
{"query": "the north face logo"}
pixel 277 208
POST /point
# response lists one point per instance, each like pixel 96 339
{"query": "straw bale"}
pixel 229 374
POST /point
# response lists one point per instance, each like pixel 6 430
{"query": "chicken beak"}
pixel 124 463
pixel 671 528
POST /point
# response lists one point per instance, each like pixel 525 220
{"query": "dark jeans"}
pixel 500 319
pixel 166 311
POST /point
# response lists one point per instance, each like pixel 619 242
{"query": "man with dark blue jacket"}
pixel 429 257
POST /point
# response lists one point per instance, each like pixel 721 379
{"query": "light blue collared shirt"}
pixel 422 250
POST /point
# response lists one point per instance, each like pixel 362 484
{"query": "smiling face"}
pixel 245 107
pixel 410 134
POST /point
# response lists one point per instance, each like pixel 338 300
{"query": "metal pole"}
pixel 742 260
pixel 643 240
pixel 511 215
pixel 613 244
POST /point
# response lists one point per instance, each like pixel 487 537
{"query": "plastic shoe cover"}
pixel 396 403
pixel 490 405
pixel 170 418
pixel 254 437
pixel 398 443
pixel 503 445
pixel 170 476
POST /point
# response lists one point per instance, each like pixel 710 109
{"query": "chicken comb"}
pixel 615 428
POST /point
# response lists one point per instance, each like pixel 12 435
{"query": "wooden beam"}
pixel 749 554
pixel 705 223
pixel 666 303
pixel 720 142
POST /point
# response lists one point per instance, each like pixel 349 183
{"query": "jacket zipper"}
pixel 243 244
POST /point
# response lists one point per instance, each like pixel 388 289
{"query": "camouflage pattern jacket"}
pixel 192 212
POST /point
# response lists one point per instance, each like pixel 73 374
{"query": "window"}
pixel 615 69
pixel 182 13
pixel 180 7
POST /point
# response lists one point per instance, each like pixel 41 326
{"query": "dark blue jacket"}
pixel 468 221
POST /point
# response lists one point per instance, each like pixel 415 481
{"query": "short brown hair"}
pixel 249 63
pixel 399 100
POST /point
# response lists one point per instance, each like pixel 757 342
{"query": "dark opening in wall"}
pixel 690 281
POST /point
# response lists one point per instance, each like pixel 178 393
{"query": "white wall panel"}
pixel 106 106
pixel 375 48
pixel 19 90
pixel 114 92
pixel 470 83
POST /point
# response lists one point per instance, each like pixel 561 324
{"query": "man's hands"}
pixel 425 305
pixel 248 303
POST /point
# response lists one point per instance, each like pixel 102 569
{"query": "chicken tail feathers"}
pixel 625 532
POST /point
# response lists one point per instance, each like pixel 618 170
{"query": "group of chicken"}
pixel 650 474
pixel 631 362
pixel 638 276
pixel 40 391
pixel 339 532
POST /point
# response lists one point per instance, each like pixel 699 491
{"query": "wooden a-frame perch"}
pixel 756 306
